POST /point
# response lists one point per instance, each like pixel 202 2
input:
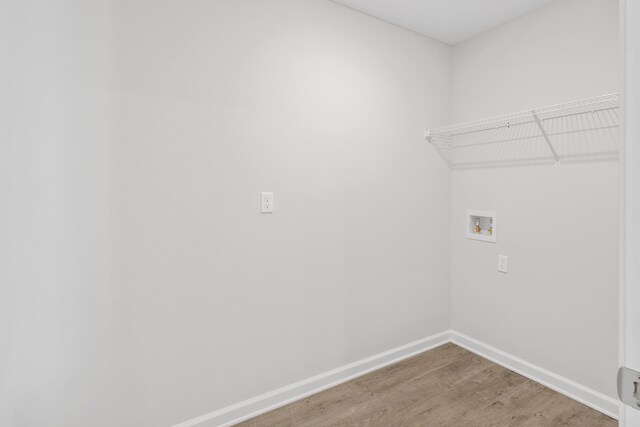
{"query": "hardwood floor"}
pixel 447 386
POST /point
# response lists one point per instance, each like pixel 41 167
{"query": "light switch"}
pixel 267 202
pixel 503 263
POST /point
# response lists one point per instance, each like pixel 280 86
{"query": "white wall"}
pixel 148 288
pixel 557 306
pixel 63 129
pixel 7 215
pixel 221 100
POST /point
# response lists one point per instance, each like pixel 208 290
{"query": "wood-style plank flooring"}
pixel 447 386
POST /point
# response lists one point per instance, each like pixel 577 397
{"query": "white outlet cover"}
pixel 266 199
pixel 503 263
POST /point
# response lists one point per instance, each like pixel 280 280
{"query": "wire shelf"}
pixel 578 131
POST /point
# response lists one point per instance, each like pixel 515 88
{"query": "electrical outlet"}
pixel 267 202
pixel 503 263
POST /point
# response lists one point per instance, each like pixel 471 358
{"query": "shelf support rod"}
pixel 546 137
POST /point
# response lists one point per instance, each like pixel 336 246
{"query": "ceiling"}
pixel 450 21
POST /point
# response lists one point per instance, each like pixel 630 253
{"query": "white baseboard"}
pixel 594 399
pixel 274 399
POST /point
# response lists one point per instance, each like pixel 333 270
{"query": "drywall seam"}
pixel 274 399
pixel 585 395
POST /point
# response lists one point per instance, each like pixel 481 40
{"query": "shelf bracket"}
pixel 546 137
pixel 427 135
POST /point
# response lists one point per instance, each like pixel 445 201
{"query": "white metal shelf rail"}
pixel 578 131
